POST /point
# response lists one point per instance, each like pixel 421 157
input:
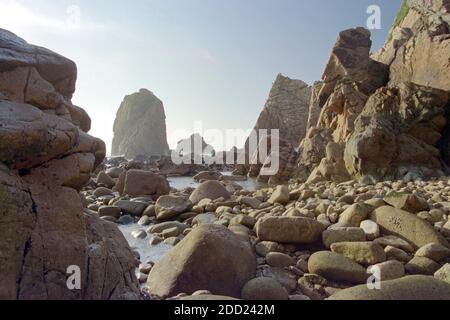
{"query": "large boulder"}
pixel 140 126
pixel 295 230
pixel 145 183
pixel 408 288
pixel 212 190
pixel 46 157
pixel 408 226
pixel 210 258
pixel 171 206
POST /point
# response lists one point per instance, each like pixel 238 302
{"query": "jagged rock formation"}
pixel 388 110
pixel 287 109
pixel 418 45
pixel 314 106
pixel 140 127
pixel 46 156
pixel 398 134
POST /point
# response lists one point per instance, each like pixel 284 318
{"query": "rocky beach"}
pixel 359 208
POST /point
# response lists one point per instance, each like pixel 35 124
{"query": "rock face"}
pixel 400 134
pixel 418 45
pixel 140 127
pixel 387 110
pixel 350 77
pixel 287 109
pixel 46 157
pixel 210 258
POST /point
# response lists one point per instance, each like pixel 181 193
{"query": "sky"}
pixel 212 61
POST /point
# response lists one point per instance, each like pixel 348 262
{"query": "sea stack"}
pixel 140 127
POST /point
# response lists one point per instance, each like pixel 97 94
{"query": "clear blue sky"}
pixel 209 60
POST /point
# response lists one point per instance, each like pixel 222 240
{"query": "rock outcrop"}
pixel 400 134
pixel 388 111
pixel 140 127
pixel 46 156
pixel 418 45
pixel 287 109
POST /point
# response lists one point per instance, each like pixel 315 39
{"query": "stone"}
pixel 106 180
pixel 285 277
pixel 168 207
pixel 365 253
pixel 417 288
pixel 355 214
pixel 289 230
pixel 280 195
pixel 264 289
pixel 102 191
pixel 139 234
pixel 160 227
pixel 395 242
pixel 280 260
pixel 422 265
pixel 133 208
pixel 209 190
pixel 139 183
pixel 144 221
pixel 207 175
pixel 265 247
pixel 407 226
pixel 140 127
pixel 331 236
pixel 109 211
pixel 155 240
pixel 244 220
pixel 251 202
pixel 406 202
pixel 114 172
pixel 393 253
pixel 150 211
pixel 443 273
pixel 388 270
pixel 204 218
pixel 209 258
pixel 371 229
pixel 336 267
pixel 434 251
pixel 125 220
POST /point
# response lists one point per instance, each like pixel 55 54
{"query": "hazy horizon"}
pixel 212 60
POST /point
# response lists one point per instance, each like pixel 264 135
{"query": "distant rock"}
pixel 287 109
pixel 140 127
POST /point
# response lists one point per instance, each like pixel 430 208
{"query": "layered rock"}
pixel 46 157
pixel 140 127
